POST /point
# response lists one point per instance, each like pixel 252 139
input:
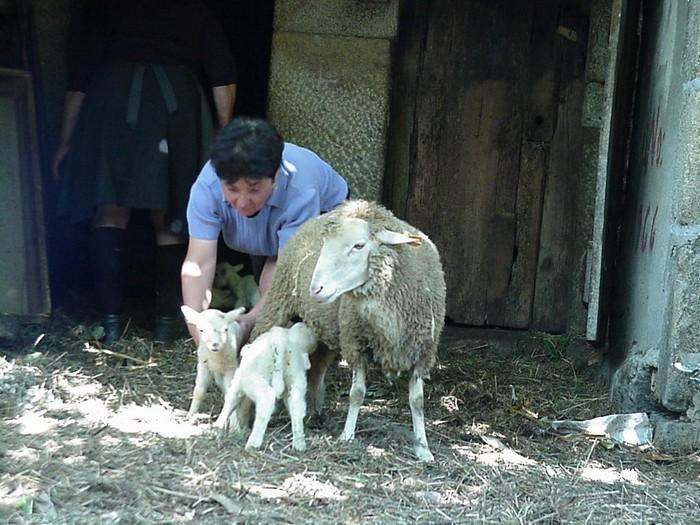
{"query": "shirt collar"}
pixel 277 197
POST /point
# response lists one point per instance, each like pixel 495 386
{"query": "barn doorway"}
pixel 485 152
pixel 248 26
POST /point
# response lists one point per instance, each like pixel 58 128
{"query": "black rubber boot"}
pixel 170 324
pixel 108 268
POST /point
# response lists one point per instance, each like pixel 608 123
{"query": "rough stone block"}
pixel 631 384
pixel 671 435
pixel 593 104
pixel 331 94
pixel 598 41
pixel 690 65
pixel 674 386
pixel 686 206
pixel 362 18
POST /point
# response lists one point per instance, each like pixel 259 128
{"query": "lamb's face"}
pixel 216 329
pixel 343 264
pixel 213 330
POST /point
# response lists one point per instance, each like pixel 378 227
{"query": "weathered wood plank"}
pixel 468 132
pixel 553 294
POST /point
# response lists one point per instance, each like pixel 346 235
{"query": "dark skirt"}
pixel 142 136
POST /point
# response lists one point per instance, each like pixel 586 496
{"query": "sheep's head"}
pixel 345 260
pixel 216 328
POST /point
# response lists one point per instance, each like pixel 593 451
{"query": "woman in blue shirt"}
pixel 255 191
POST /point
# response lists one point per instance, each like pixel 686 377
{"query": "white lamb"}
pixel 217 354
pixel 271 366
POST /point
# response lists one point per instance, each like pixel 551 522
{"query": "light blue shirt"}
pixel 306 186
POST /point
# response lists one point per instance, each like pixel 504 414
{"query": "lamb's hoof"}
pixel 299 446
pixel 424 454
pixel 221 423
pixel 346 437
pixel 252 446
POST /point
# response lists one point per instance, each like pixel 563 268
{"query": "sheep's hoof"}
pixel 221 423
pixel 346 437
pixel 299 446
pixel 424 454
pixel 253 445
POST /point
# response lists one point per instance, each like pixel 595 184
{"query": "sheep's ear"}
pixel 191 315
pixel 389 237
pixel 237 268
pixel 235 314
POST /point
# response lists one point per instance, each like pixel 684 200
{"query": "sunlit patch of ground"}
pixel 95 435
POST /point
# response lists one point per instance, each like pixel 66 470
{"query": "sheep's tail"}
pixel 278 371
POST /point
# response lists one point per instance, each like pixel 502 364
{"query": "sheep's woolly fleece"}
pixel 398 312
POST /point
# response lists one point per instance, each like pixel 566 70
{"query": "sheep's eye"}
pixel 357 247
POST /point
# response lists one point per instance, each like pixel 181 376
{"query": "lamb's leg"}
pixel 201 383
pixel 296 406
pixel 415 400
pixel 264 406
pixel 232 398
pixel 357 396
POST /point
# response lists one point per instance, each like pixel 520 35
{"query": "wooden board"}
pixel 472 98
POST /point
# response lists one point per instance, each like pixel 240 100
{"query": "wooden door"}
pixel 484 134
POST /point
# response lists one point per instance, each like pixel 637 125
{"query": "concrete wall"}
pixel 659 279
pixel 330 83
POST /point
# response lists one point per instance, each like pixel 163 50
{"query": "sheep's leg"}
pixel 321 359
pixel 240 418
pixel 264 406
pixel 357 396
pixel 415 400
pixel 296 406
pixel 232 398
pixel 201 383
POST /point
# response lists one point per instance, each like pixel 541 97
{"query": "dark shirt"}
pixel 183 32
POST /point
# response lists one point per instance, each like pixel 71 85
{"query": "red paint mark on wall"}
pixel 654 141
pixel 646 228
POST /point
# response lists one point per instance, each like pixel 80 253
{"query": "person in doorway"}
pixel 136 129
pixel 255 191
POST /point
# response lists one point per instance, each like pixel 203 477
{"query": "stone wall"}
pixel 330 83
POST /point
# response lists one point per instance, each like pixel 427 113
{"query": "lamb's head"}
pixel 345 262
pixel 216 328
pixel 302 337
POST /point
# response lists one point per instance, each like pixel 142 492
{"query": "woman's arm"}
pixel 198 276
pixel 224 100
pixel 72 104
pixel 247 320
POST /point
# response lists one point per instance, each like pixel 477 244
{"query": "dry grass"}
pixel 89 436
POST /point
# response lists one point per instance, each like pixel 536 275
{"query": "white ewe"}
pixel 271 366
pixel 217 354
pixel 370 286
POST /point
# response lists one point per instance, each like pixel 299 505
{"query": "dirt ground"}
pixel 96 435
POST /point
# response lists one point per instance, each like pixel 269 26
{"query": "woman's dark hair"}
pixel 247 147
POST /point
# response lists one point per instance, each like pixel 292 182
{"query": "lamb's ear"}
pixel 191 315
pixel 390 237
pixel 235 314
pixel 237 268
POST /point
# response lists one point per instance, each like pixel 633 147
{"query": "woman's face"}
pixel 248 196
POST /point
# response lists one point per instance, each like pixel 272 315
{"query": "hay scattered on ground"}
pixel 95 435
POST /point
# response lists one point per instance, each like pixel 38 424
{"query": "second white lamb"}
pixel 273 366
